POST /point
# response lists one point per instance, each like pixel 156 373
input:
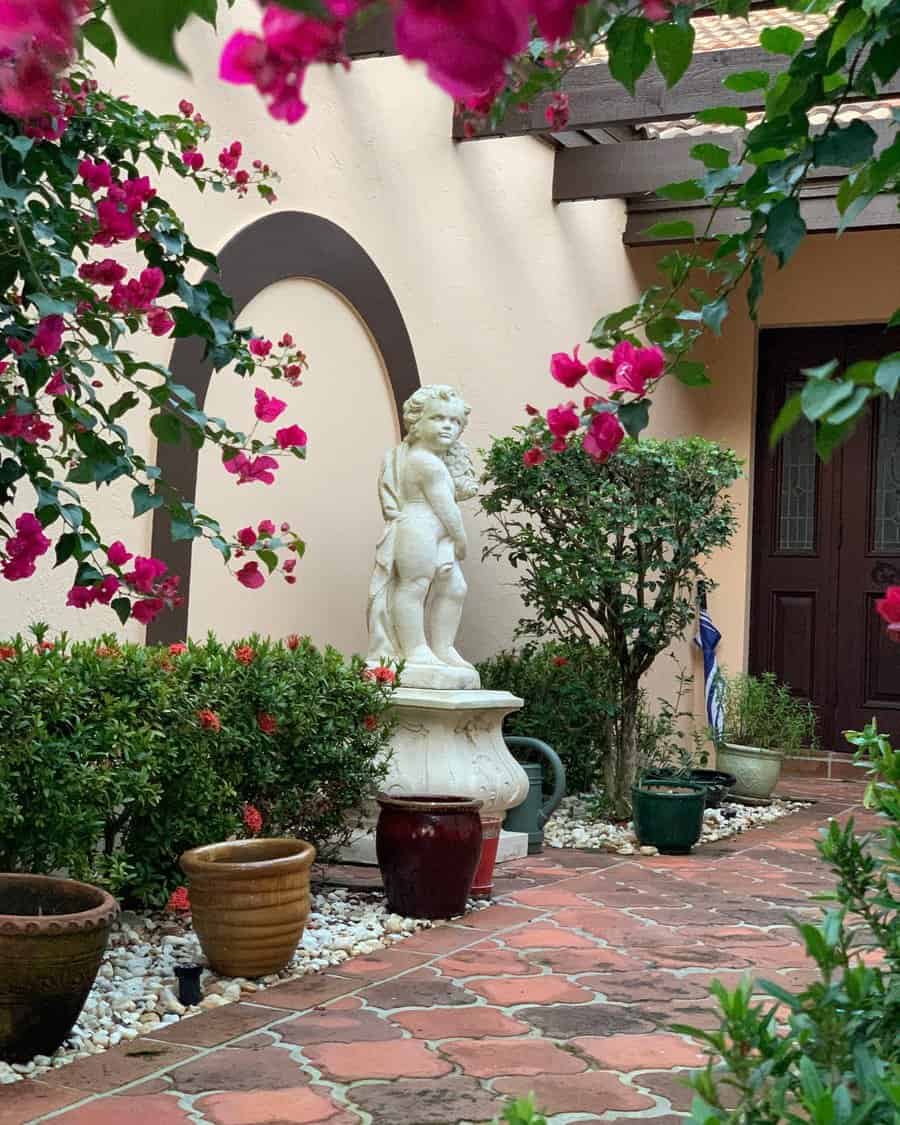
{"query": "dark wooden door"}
pixel 826 541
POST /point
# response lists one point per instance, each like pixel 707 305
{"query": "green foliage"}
pixel 523 1112
pixel 569 692
pixel 837 1062
pixel 610 552
pixel 109 773
pixel 761 712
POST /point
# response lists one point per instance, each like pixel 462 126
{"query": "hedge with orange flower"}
pixel 118 757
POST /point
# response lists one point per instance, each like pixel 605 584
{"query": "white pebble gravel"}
pixel 136 991
pixel 573 826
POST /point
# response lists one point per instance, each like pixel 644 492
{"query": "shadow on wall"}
pixel 276 248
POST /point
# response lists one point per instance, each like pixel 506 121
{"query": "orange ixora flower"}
pixel 178 648
pixel 268 724
pixel 292 641
pixel 252 819
pixel 209 720
pixel 108 650
pixel 370 722
pixel 7 652
pixel 179 899
pixel 244 654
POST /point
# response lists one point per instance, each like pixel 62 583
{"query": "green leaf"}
pixel 151 27
pixel 744 81
pixel 691 373
pixel 673 45
pixel 788 416
pixel 180 528
pixel 166 427
pixel 50 306
pixel 853 21
pixel 100 35
pixel 785 229
pixel 851 408
pixel 144 500
pixel 634 416
pixel 781 40
pixel 820 398
pixel 845 147
pixel 755 288
pixel 680 228
pixel 723 115
pixel 823 371
pixel 713 156
pixel 683 190
pixel 714 313
pixel 269 558
pixel 128 401
pixel 122 608
pixel 887 374
pixel 206 10
pixel 628 43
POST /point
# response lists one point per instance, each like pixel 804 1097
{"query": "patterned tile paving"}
pixel 566 987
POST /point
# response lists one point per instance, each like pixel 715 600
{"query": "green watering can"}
pixel 534 812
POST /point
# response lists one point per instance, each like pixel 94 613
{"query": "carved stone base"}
pixel 449 742
pixel 440 677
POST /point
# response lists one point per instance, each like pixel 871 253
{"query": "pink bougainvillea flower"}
pixel 107 272
pixel 888 607
pixel 562 419
pixel 247 471
pixel 56 384
pixel 185 107
pixel 268 408
pixel 252 819
pixel 117 554
pixel 209 720
pixel 24 548
pixel 532 410
pixel 290 436
pixel 266 528
pixel 557 112
pixel 268 724
pixel 465 45
pixel 534 456
pixel 630 368
pixel 251 576
pixel 567 369
pixel 30 428
pixel 179 900
pixel 555 18
pixel 260 347
pixel 603 437
pixel 147 609
pixel 80 597
pixel 105 590
pixel 656 10
pixel 246 537
pixel 95 175
pixel 115 224
pixel 192 159
pixel 47 340
pixel 242 58
pixel 146 572
pixel 160 321
pixel 138 294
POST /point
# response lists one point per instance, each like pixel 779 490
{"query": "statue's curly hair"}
pixel 457 457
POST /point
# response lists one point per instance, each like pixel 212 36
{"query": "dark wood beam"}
pixel 597 100
pixel 818 208
pixel 372 35
pixel 634 168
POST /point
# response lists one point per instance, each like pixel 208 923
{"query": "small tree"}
pixel 611 552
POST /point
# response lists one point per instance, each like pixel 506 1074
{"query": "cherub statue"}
pixel 417 590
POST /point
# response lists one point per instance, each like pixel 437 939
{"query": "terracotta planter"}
pixel 757 771
pixel 53 933
pixel 249 902
pixel 428 849
pixel 483 883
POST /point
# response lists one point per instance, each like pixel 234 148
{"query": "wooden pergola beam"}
pixel 818 208
pixel 634 168
pixel 372 35
pixel 597 100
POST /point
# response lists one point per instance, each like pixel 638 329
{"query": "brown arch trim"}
pixel 289 244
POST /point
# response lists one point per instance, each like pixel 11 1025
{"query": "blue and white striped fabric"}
pixel 707 640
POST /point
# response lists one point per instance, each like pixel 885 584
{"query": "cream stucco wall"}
pixel 490 278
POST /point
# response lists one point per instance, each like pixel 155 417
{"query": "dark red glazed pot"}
pixel 428 848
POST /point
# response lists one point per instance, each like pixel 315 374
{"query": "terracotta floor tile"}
pixel 238 1068
pixel 125 1063
pixel 442 939
pixel 307 992
pixel 545 897
pixel 336 1025
pixel 574 1093
pixel 209 1029
pixel 458 1023
pixel 406 1058
pixel 569 1021
pixel 488 1058
pixel 161 1109
pixel 640 1052
pixel 500 917
pixel 629 988
pixel 23 1101
pixel 384 963
pixel 485 960
pixel 427 1101
pixel 545 989
pixel 301 1106
pixel 598 959
pixel 541 936
pixel 417 990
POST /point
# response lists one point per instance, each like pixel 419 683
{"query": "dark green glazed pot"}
pixel 671 822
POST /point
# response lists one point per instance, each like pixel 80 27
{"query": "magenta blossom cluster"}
pixel 119 209
pixel 134 297
pixel 263 537
pixel 23 548
pixel 147 583
pixel 37 42
pixel 228 173
pixel 631 370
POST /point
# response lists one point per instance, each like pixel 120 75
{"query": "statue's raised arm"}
pixel 418 589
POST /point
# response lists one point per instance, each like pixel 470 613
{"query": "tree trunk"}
pixel 621 764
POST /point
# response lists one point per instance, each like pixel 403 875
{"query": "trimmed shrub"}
pixel 119 757
pixel 569 694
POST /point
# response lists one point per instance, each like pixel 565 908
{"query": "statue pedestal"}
pixel 449 742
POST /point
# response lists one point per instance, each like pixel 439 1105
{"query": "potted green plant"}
pixel 763 722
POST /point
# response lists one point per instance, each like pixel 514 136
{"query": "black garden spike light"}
pixel 189 991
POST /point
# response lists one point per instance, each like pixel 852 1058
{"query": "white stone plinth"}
pixel 449 743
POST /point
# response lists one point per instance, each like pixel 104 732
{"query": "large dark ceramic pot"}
pixel 668 814
pixel 53 933
pixel 717 783
pixel 428 849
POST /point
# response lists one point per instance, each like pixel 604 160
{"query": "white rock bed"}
pixel 572 825
pixel 136 991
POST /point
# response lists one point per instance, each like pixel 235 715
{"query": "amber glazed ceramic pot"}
pixel 428 849
pixel 249 902
pixel 53 933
